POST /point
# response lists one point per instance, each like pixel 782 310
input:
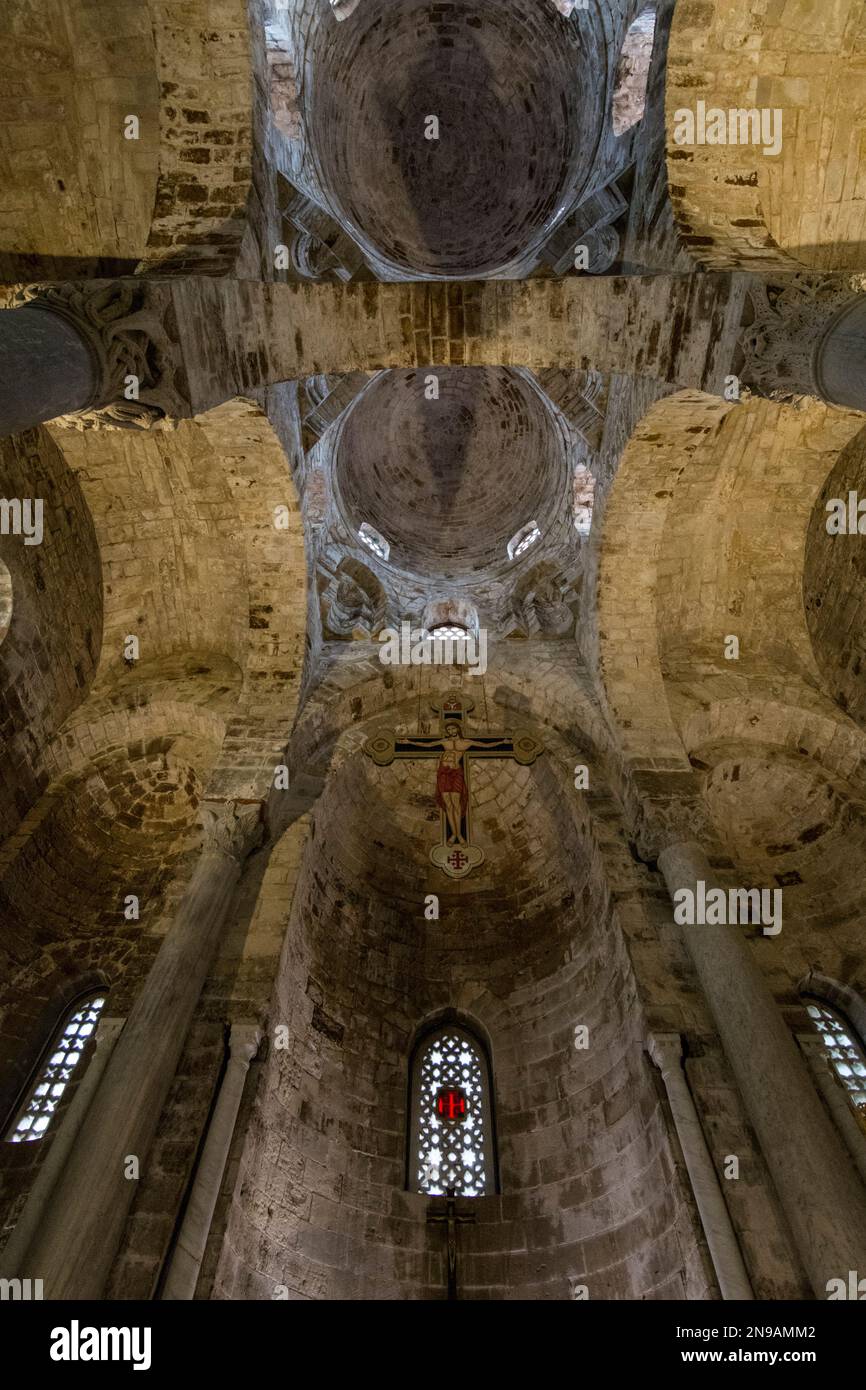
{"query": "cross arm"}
pixel 520 746
pixel 385 747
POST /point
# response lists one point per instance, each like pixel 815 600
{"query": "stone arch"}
pixel 50 652
pixel 833 583
pixel 785 792
pixel 95 202
pixel 224 595
pixel 733 204
pixel 705 490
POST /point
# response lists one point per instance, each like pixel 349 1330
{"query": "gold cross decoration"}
pixel 455 750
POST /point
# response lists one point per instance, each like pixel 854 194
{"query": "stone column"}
pixel 14 1257
pixel 95 351
pixel 76 1244
pixel 47 368
pixel 820 1191
pixel 839 360
pixel 666 1050
pixel 189 1251
pixel 807 338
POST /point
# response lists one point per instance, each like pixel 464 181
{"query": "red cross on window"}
pixel 451 1103
pixel 458 859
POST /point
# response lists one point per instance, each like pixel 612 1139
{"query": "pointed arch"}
pixel 451 1143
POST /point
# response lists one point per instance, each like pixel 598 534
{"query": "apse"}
pixel 449 481
pixel 518 955
pixel 450 139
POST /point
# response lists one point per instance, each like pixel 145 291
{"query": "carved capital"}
pixel 126 326
pixel 788 320
pixel 232 828
pixel 666 1051
pixel 244 1042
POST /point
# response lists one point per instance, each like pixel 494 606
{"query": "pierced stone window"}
pixel 844 1052
pixel 632 74
pixel 451 1140
pixel 372 539
pixel 449 631
pixel 528 536
pixel 37 1111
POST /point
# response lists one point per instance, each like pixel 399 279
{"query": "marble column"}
pixel 666 1051
pixel 189 1251
pixel 805 338
pixel 76 1244
pixel 97 350
pixel 818 1186
pixel 14 1257
pixel 47 368
pixel 839 361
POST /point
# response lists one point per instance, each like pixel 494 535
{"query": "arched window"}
pixel 56 1070
pixel 451 1142
pixel 527 536
pixel 374 541
pixel 843 1051
pixel 632 74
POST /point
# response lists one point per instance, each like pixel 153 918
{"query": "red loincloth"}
pixel 451 779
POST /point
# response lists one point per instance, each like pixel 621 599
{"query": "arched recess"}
pixel 785 790
pixel 736 206
pixel 834 581
pixel 50 652
pixel 702 539
pixel 126 145
pixel 361 965
pixel 213 583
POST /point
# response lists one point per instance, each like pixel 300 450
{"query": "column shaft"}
pixel 666 1051
pixel 189 1252
pixel 47 368
pixel 839 361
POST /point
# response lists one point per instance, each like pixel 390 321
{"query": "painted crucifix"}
pixel 454 748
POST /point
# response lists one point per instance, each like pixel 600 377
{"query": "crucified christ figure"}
pixel 452 793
